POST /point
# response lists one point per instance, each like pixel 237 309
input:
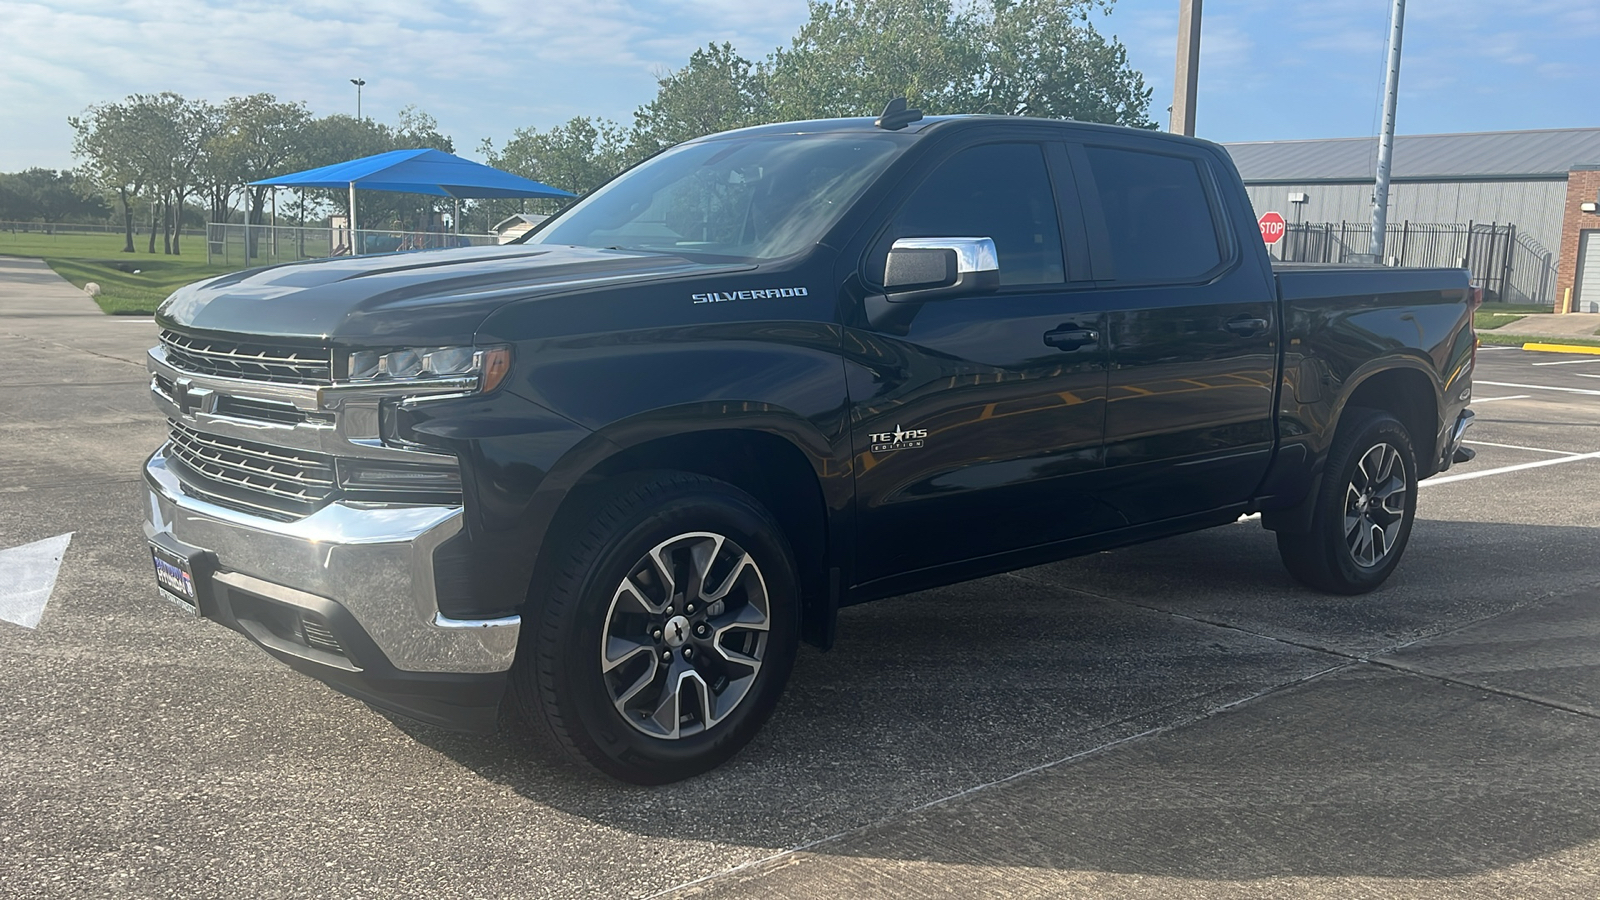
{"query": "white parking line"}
pixel 1493 399
pixel 1464 476
pixel 1569 362
pixel 1537 387
pixel 1517 447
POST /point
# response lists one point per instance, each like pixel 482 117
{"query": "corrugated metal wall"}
pixel 1535 207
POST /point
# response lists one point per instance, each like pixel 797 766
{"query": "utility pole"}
pixel 359 83
pixel 1391 94
pixel 1187 81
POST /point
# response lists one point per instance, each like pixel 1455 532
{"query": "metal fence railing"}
pixel 262 245
pixel 1510 267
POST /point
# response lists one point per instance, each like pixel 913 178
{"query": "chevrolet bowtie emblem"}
pixel 191 399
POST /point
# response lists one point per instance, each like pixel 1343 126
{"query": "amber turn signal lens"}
pixel 496 365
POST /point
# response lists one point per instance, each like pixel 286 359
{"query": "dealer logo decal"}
pixel 898 439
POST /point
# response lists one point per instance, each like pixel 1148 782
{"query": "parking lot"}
pixel 1178 719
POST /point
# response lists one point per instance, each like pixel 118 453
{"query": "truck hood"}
pixel 436 297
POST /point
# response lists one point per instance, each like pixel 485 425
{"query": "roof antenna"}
pixel 896 116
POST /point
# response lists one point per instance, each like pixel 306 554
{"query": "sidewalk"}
pixel 1570 325
pixel 76 405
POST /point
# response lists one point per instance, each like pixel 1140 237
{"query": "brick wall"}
pixel 1583 186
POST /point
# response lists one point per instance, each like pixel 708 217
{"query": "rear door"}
pixel 1192 325
pixel 977 426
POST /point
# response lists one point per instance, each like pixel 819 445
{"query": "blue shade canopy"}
pixel 417 172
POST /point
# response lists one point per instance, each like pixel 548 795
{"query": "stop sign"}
pixel 1271 227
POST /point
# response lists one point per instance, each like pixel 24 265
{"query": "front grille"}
pixel 278 482
pixel 252 362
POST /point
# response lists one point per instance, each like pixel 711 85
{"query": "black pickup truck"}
pixel 616 472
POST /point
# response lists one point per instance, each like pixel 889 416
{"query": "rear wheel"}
pixel 1364 510
pixel 665 636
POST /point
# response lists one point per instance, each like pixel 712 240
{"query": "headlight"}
pixel 487 365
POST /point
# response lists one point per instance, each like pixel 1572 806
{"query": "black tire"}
pixel 1356 514
pixel 596 595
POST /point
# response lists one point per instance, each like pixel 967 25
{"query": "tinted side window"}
pixel 1159 220
pixel 997 191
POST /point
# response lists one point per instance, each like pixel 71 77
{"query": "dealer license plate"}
pixel 175 577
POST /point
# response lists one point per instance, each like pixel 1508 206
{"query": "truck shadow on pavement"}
pixel 1423 763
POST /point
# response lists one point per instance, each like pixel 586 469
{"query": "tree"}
pixel 195 125
pixel 576 156
pixel 416 130
pixel 1012 57
pixel 852 56
pixel 106 138
pixel 716 91
pixel 168 138
pixel 13 207
pixel 260 138
pixel 48 196
pixel 1044 58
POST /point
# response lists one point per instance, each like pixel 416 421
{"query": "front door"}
pixel 976 424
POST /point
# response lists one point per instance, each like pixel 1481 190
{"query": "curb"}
pixel 1562 348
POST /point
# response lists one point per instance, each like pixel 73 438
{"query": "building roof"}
pixel 1421 157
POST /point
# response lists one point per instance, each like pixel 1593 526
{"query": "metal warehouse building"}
pixel 1517 207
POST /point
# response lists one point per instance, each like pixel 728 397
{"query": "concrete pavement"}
pixel 1178 719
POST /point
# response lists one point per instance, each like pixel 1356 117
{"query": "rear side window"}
pixel 1159 220
pixel 997 191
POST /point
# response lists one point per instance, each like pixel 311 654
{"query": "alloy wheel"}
pixel 685 635
pixel 1375 505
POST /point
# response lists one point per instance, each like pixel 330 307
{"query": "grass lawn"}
pixel 126 292
pixel 82 258
pixel 1482 320
pixel 1496 315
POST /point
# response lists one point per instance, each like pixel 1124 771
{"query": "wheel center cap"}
pixel 676 632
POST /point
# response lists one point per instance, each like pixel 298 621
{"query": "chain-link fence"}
pixel 265 245
pixel 53 228
pixel 1510 267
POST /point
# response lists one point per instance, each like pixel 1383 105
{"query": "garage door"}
pixel 1588 293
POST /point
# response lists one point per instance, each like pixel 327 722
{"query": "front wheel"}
pixel 1364 510
pixel 666 634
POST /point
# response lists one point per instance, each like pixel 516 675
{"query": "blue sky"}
pixel 1270 69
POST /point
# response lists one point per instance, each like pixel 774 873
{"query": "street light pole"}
pixel 1391 95
pixel 1187 81
pixel 359 83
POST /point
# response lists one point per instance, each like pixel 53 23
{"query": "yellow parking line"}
pixel 1563 348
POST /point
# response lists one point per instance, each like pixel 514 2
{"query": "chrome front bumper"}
pixel 374 563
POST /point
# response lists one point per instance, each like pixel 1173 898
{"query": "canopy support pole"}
pixel 353 238
pixel 455 220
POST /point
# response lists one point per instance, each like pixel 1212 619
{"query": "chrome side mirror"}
pixel 918 270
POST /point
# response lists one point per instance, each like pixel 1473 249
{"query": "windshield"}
pixel 755 198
